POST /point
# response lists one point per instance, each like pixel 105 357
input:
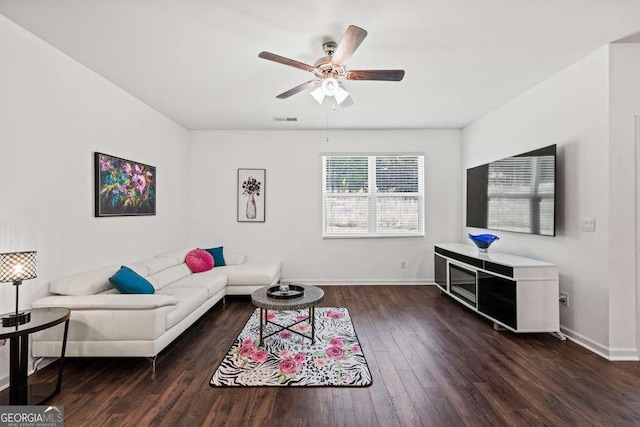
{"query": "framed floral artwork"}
pixel 251 195
pixel 123 187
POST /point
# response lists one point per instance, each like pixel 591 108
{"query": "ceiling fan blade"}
pixel 386 75
pixel 349 43
pixel 286 61
pixel 297 89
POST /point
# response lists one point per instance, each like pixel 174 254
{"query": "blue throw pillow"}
pixel 218 257
pixel 128 281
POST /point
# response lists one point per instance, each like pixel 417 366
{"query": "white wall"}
pixel 569 109
pixel 54 113
pixel 624 106
pixel 293 228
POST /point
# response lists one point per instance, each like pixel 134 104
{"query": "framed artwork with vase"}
pixel 251 195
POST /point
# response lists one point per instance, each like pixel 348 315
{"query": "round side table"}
pixel 20 393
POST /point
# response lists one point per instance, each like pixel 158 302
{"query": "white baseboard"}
pixel 613 354
pixel 623 354
pixel 350 282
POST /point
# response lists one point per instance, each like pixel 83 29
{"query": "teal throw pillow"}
pixel 128 281
pixel 218 257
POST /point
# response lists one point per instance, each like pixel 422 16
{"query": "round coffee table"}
pixel 312 296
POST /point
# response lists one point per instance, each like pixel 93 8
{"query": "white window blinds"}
pixel 521 194
pixel 373 196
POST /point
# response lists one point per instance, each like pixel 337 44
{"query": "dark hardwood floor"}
pixel 433 363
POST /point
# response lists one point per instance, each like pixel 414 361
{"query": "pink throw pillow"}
pixel 199 260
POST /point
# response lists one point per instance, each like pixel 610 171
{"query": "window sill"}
pixel 369 236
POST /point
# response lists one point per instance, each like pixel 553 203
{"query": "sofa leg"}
pixel 224 300
pixel 153 363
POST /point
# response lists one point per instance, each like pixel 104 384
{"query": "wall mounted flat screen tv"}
pixel 515 194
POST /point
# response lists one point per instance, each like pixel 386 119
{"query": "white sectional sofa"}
pixel 106 323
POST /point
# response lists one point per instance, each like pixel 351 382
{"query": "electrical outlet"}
pixel 564 298
pixel 588 223
pixel 403 264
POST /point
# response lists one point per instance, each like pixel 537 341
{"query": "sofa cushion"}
pixel 140 269
pixel 189 299
pixel 252 273
pixel 154 265
pixel 234 258
pixel 128 281
pixel 213 281
pixel 179 255
pixel 162 278
pixel 86 283
pixel 107 302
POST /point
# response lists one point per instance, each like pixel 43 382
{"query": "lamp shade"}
pixel 329 86
pixel 318 95
pixel 17 266
pixel 341 95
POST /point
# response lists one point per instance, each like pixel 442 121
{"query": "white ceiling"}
pixel 197 61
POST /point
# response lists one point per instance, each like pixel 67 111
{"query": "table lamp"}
pixel 16 267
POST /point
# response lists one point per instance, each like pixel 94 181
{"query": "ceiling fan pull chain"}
pixel 327 140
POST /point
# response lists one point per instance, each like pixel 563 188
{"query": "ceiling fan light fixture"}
pixel 341 95
pixel 318 94
pixel 330 86
pixel 348 102
pixel 328 69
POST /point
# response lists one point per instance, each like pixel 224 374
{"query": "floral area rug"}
pixel 288 359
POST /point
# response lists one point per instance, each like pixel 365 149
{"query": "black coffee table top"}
pixel 312 296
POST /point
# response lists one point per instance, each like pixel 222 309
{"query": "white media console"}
pixel 517 293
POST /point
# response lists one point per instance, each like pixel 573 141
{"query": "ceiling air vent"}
pixel 285 119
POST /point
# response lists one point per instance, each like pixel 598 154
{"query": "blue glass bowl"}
pixel 483 241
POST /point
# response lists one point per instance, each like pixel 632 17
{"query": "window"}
pixel 373 196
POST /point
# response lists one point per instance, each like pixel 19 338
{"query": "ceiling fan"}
pixel 328 69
